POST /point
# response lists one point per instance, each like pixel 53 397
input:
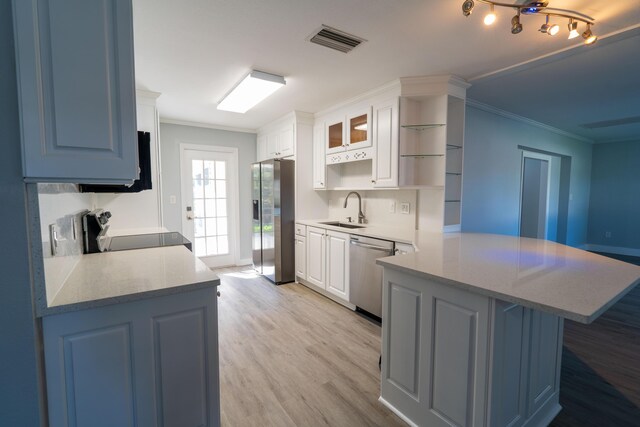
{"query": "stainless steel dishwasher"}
pixel 365 277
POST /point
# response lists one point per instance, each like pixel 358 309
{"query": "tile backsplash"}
pixel 377 206
pixel 61 207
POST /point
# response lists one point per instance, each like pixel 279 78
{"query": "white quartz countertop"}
pixel 116 277
pixel 538 274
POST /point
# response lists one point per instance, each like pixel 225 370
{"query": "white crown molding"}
pixel 613 141
pixel 296 116
pixel 614 36
pixel 392 86
pixel 488 108
pixel 204 125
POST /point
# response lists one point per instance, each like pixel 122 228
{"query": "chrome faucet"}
pixel 360 214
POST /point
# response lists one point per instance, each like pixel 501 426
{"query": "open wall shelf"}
pixel 423 127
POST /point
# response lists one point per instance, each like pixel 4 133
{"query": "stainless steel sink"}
pixel 341 224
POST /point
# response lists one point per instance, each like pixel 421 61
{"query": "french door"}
pixel 209 202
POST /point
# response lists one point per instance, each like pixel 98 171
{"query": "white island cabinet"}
pixel 472 330
pixel 76 88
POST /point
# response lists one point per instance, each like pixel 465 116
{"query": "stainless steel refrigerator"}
pixel 273 219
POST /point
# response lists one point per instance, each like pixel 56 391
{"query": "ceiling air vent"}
pixel 610 123
pixel 336 39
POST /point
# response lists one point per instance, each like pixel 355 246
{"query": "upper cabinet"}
pixel 349 132
pixel 277 142
pixel 76 83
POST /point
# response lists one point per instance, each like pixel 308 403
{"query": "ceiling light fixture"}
pixel 588 36
pixel 253 88
pixel 573 29
pixel 538 8
pixel 516 26
pixel 490 17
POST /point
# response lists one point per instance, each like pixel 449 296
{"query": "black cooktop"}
pixel 142 241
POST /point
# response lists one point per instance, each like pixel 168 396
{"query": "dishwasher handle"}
pixel 370 246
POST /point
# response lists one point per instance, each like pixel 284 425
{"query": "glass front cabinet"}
pixel 350 132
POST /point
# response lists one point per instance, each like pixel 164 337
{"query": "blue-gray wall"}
pixel 171 136
pixel 19 393
pixel 492 170
pixel 615 195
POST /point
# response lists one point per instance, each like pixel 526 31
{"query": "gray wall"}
pixel 19 393
pixel 492 168
pixel 171 136
pixel 615 195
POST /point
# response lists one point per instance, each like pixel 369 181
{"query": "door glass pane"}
pixel 210 226
pixel 335 135
pixel 198 208
pixel 358 129
pixel 198 227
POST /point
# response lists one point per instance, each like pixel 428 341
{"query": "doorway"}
pixel 539 196
pixel 209 183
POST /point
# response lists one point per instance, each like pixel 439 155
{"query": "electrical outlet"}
pixel 405 207
pixel 607 234
pixel 392 207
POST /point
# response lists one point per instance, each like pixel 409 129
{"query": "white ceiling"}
pixel 194 52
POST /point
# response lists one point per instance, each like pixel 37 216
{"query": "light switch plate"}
pixel 405 207
pixel 172 199
pixel 392 207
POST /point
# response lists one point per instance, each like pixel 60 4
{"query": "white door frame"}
pixel 538 156
pixel 234 190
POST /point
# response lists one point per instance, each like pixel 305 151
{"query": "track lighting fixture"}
pixel 573 29
pixel 490 17
pixel 588 36
pixel 551 30
pixel 516 26
pixel 467 7
pixel 538 8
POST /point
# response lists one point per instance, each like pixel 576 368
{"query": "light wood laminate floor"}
pixel 291 357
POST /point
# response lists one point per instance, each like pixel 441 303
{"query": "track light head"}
pixel 516 26
pixel 588 36
pixel 467 7
pixel 490 17
pixel 573 29
pixel 534 7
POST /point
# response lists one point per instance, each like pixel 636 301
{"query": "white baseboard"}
pixel 612 249
pixel 245 261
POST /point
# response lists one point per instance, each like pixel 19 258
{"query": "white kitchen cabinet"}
pixel 276 143
pixel 148 362
pixel 301 257
pixel 337 254
pixel 316 256
pixel 349 132
pixel 385 135
pixel 262 152
pixel 76 89
pixel 319 160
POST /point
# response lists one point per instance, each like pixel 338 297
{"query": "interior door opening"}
pixel 539 197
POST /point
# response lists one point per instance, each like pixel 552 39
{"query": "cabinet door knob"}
pixel 373 181
pixel 218 293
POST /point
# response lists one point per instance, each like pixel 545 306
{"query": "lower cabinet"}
pixel 144 363
pixel 454 357
pixel 338 264
pixel 327 257
pixel 301 257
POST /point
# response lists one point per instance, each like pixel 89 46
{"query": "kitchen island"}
pixel 131 338
pixel 472 330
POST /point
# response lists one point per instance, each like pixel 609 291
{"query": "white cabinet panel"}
pixel 179 340
pixel 338 264
pixel 98 367
pixel 316 256
pixel 301 257
pixel 403 349
pixel 77 90
pixel 319 159
pixel 272 145
pixel 385 135
pixel 286 141
pixel 262 153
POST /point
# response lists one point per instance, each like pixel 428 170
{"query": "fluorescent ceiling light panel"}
pixel 255 87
